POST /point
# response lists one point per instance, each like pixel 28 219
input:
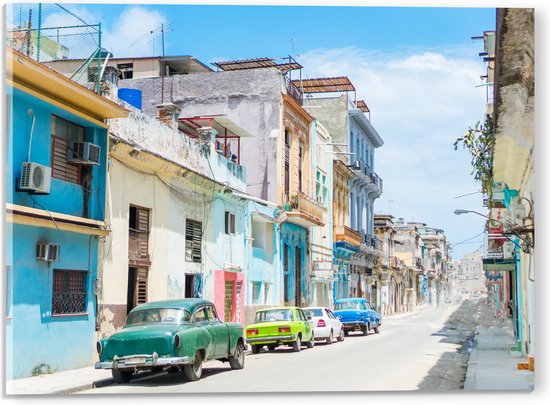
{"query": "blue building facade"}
pixel 55 198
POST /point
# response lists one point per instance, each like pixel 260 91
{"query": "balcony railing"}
pixel 306 208
pixel 138 246
pixel 371 241
pixel 395 261
pixel 346 234
pixel 419 262
pixel 294 91
pixel 364 168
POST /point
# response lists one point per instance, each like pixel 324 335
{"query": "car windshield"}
pixel 313 312
pixel 274 315
pixel 158 315
pixel 348 305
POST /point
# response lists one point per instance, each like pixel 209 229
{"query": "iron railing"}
pixel 363 167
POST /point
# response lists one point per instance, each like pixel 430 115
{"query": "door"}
pixel 298 275
pixel 189 285
pixel 307 326
pixel 219 331
pixel 334 322
pixel 229 309
pixel 137 287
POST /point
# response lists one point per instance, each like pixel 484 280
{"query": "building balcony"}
pixel 348 235
pixel 365 173
pixel 371 241
pixel 294 91
pixel 304 211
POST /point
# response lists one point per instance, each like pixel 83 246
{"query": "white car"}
pixel 325 324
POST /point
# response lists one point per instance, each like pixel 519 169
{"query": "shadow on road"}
pixel 450 371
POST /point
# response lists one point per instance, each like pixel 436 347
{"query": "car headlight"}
pixel 177 341
pixel 99 347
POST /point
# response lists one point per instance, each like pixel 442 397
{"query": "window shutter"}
pixel 140 293
pixel 193 241
pixel 143 235
pixel 61 169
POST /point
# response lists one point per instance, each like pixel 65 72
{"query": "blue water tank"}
pixel 131 96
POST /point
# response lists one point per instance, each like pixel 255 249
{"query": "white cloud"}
pixel 420 102
pixel 135 32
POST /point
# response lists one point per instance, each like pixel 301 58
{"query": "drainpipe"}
pixel 256 199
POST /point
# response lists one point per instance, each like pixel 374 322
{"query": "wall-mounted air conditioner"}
pixel 85 153
pixel 48 252
pixel 35 178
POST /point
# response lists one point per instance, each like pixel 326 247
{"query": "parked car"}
pixel 277 326
pixel 172 335
pixel 325 324
pixel 357 314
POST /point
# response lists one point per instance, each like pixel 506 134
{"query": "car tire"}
pixel 365 329
pixel 297 344
pixel 237 361
pixel 193 371
pixel 255 348
pixel 346 333
pixel 121 376
pixel 311 343
pixel 330 338
pixel 340 337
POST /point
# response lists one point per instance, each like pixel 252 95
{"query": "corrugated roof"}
pixel 362 105
pixel 324 85
pixel 257 63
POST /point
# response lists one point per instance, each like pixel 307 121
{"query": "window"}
pixel 287 162
pixel 229 223
pixel 256 292
pixel 266 292
pixel 64 133
pixel 321 188
pixel 211 313
pixel 200 315
pixel 300 165
pixel 127 70
pixel 193 241
pixel 138 237
pixel 69 292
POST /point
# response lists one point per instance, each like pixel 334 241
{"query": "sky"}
pixel 417 69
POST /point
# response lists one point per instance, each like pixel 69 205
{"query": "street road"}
pixel 408 354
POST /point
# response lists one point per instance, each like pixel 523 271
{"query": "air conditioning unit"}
pixel 85 153
pixel 48 252
pixel 35 178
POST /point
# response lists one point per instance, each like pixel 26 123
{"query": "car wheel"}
pixel 297 344
pixel 193 371
pixel 330 338
pixel 377 329
pixel 346 333
pixel 255 349
pixel 341 336
pixel 121 376
pixel 311 343
pixel 271 348
pixel 365 329
pixel 237 361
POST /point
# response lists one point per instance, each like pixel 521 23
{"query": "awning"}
pixel 490 264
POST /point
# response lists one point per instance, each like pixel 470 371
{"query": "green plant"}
pixel 480 142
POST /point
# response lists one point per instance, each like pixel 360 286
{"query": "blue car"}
pixel 356 314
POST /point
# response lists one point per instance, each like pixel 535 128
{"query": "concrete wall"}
pixel 250 98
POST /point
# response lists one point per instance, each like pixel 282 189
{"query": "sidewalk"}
pixel 492 366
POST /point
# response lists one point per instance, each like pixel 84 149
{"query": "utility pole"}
pixel 162 64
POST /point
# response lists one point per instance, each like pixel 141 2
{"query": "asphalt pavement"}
pixel 492 367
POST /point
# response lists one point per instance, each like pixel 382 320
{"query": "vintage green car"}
pixel 279 326
pixel 171 335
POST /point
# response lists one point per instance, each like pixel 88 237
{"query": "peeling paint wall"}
pixel 250 98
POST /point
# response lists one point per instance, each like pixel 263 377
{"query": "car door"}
pixel 220 332
pixel 306 326
pixel 200 320
pixel 334 322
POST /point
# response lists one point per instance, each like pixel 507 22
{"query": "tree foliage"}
pixel 480 142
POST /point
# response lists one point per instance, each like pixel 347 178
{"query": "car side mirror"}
pixel 308 317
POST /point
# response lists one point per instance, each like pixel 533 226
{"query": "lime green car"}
pixel 273 327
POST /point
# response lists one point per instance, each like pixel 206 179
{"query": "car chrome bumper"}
pixel 353 325
pixel 271 339
pixel 141 360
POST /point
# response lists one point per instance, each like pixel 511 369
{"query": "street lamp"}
pixel 527 242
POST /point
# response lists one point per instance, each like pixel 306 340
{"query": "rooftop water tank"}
pixel 131 96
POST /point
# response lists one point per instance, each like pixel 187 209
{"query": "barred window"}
pixel 193 241
pixel 69 292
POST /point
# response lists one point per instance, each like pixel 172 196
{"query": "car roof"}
pixel 352 300
pixel 315 308
pixel 276 308
pixel 189 304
